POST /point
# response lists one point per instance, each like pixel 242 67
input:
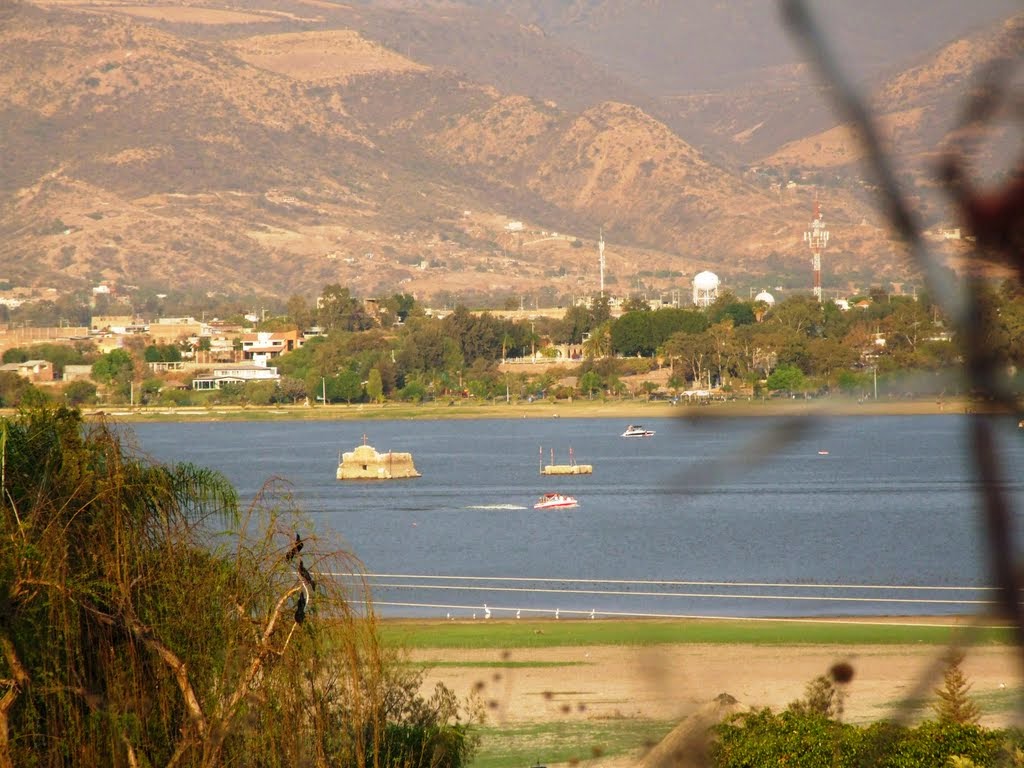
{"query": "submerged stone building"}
pixel 365 463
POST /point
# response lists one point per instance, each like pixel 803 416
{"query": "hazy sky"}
pixel 679 45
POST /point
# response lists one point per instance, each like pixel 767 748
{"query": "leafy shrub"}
pixel 414 391
pixel 177 397
pixel 80 393
pixel 809 739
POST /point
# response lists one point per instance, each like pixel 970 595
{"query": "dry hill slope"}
pixel 295 144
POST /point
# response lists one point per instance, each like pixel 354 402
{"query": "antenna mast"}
pixel 816 238
pixel 600 251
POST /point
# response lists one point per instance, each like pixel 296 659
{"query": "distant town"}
pixel 346 349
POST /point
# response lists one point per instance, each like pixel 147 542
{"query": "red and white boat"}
pixel 555 501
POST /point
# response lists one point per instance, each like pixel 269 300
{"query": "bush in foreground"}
pixel 808 739
pixel 133 633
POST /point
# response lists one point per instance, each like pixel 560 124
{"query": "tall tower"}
pixel 817 238
pixel 600 252
pixel 705 289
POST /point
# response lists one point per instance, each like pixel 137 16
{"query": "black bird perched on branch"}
pixel 295 548
pixel 300 609
pixel 307 577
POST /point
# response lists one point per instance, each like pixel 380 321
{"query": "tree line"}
pixel 895 344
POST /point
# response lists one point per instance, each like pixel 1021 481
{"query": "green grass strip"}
pixel 565 742
pixel 638 632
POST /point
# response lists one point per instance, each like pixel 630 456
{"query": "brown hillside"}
pixel 287 145
pixel 336 54
pixel 917 107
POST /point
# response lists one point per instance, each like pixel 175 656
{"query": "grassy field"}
pixel 638 632
pixel 521 746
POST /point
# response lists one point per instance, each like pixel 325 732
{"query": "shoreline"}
pixel 628 410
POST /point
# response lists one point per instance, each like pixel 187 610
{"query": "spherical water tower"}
pixel 766 297
pixel 705 288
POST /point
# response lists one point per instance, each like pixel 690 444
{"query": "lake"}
pixel 715 517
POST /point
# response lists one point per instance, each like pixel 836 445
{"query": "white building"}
pixel 235 374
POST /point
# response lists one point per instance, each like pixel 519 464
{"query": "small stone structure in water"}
pixel 365 463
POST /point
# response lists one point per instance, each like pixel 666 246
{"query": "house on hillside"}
pixel 36 371
pixel 266 345
pixel 235 374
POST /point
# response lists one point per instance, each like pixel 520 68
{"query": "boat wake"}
pixel 496 506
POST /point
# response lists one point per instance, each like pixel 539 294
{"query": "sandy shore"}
pixel 628 410
pixel 668 682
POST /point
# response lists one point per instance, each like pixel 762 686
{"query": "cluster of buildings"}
pixel 214 353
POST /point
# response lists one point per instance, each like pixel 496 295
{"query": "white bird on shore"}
pixel 517 613
pixel 591 613
pixel 474 616
pixel 449 615
pixel 556 613
pixel 487 611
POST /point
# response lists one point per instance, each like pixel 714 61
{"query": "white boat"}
pixel 635 430
pixel 555 501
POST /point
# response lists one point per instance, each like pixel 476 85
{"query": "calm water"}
pixel 861 515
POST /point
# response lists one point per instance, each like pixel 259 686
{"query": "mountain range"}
pixel 469 150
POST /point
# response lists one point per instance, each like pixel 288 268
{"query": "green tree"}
pixel 260 392
pixel 724 350
pixel 15 355
pixel 800 315
pixel 299 311
pixel 728 307
pixel 477 336
pixel 13 389
pixel 786 378
pixel 954 705
pixel 632 334
pixel 413 391
pixel 635 304
pixel 375 386
pixel 589 383
pixel 401 305
pixel 340 311
pixel 346 386
pixel 292 389
pixel 692 352
pixel 80 393
pixel 150 389
pixel 669 320
pixel 162 353
pixel 113 366
pixel 600 342
pixel 578 320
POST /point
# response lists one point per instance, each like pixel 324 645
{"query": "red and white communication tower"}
pixel 817 238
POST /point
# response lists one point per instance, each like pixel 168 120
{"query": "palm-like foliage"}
pixel 127 637
pixel 95 543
